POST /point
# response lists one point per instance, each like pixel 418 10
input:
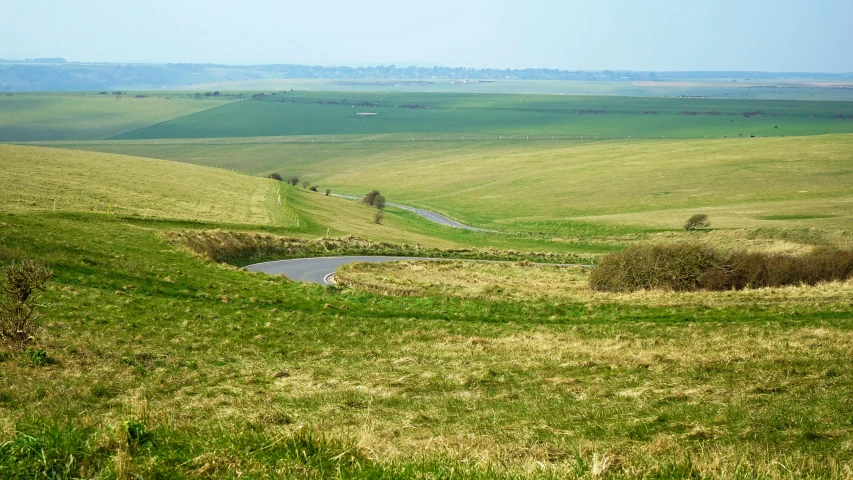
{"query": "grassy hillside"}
pixel 37 177
pixel 142 187
pixel 83 116
pixel 538 185
pixel 311 113
pixel 151 362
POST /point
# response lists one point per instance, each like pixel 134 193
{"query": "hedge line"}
pixel 687 267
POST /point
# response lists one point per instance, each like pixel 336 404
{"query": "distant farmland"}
pixel 312 113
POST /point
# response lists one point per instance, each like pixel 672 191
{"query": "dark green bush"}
pixel 274 176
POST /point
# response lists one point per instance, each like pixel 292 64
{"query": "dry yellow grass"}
pixel 521 282
pixel 36 177
pixel 439 375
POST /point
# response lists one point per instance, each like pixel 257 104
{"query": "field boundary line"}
pixel 166 120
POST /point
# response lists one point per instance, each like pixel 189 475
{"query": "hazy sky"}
pixel 770 35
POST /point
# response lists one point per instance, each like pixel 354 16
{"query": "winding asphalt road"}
pixel 321 269
pixel 432 216
pixel 316 270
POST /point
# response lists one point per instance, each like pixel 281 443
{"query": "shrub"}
pixel 377 217
pixel 293 181
pixel 671 267
pixel 19 284
pixel 313 188
pixel 374 199
pixel 700 220
pixel 758 270
pixel 368 199
pixel 693 267
pixel 275 176
pixel 305 183
pixel 328 191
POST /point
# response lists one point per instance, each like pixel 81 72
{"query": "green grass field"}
pixel 152 362
pixel 542 185
pixel 491 114
pixel 159 364
pixel 85 116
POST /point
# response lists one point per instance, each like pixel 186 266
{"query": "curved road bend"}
pixel 431 216
pixel 314 270
pixel 318 270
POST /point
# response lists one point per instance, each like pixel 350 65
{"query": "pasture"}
pixel 213 370
pixel 152 361
pixel 543 185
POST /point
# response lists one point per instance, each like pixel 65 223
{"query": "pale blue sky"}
pixel 780 35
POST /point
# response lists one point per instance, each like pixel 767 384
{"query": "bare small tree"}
pixel 377 217
pixel 294 181
pixel 19 285
pixel 305 183
pixel 696 222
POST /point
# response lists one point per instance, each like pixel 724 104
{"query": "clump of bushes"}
pixel 275 176
pixel 757 270
pixel 696 222
pixel 20 284
pixel 686 267
pixel 294 181
pixel 672 267
pixel 374 199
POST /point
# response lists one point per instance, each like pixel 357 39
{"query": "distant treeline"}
pixel 55 74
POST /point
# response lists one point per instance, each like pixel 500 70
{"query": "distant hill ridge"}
pixel 57 74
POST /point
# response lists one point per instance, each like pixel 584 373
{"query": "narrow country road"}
pixel 314 270
pixel 431 216
pixel 320 269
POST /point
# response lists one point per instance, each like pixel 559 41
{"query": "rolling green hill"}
pixel 539 185
pixel 47 179
pixel 151 362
